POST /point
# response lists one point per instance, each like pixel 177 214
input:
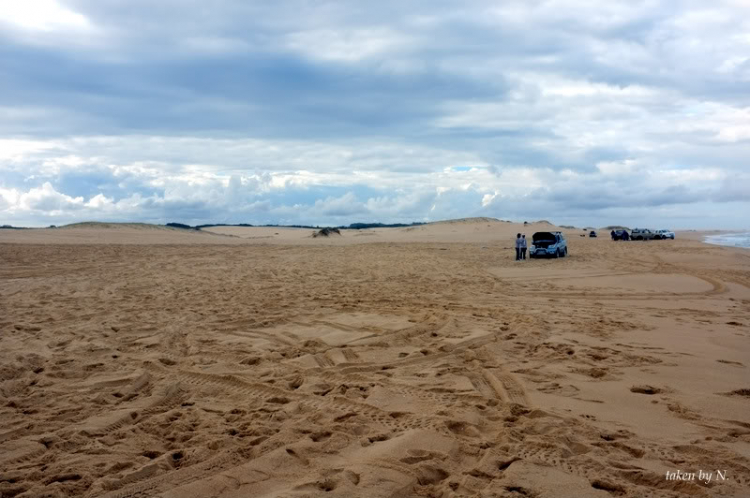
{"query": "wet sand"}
pixel 423 361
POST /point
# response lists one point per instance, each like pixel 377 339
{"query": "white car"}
pixel 665 234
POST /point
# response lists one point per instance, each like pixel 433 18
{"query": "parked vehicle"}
pixel 643 234
pixel 665 234
pixel 548 244
pixel 592 233
pixel 621 235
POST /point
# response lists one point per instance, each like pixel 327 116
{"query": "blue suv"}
pixel 548 244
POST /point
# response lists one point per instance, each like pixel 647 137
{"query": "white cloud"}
pixel 617 168
pixel 41 15
pixel 15 150
pixel 47 199
pixel 99 201
pixel 346 205
pixel 8 200
pixel 221 188
pixel 347 45
pixel 488 198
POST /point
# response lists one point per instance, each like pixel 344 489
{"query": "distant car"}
pixel 620 235
pixel 643 234
pixel 548 244
pixel 592 233
pixel 665 234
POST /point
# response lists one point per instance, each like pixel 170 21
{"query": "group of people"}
pixel 520 247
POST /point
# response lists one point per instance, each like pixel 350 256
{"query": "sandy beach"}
pixel 140 361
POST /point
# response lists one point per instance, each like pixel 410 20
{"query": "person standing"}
pixel 523 246
pixel 518 247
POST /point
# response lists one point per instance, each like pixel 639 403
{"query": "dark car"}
pixel 620 235
pixel 592 233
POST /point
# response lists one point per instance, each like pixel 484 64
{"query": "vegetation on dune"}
pixel 325 232
pixel 352 226
pixel 182 226
pixel 105 224
pixel 360 226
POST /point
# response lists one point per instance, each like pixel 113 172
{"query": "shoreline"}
pixel 740 240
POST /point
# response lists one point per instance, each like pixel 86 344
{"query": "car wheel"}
pixel 639 238
pixel 557 253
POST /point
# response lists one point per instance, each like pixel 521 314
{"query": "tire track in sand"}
pixel 397 421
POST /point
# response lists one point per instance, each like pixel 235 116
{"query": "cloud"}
pixel 347 46
pixel 394 112
pixel 41 15
pixel 346 205
pixel 46 198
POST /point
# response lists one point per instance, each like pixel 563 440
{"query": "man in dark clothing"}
pixel 614 236
pixel 523 246
pixel 518 247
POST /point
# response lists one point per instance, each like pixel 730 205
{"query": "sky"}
pixel 318 112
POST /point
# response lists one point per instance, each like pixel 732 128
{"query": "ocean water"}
pixel 730 239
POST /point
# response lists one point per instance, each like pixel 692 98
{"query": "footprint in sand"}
pixel 733 363
pixel 645 389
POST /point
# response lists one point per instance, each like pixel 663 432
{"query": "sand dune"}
pixel 422 361
pixel 472 230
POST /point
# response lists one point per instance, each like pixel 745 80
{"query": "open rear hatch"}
pixel 544 239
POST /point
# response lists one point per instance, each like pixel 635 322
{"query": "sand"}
pixel 255 362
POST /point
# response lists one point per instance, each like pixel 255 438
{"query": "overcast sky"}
pixel 317 112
